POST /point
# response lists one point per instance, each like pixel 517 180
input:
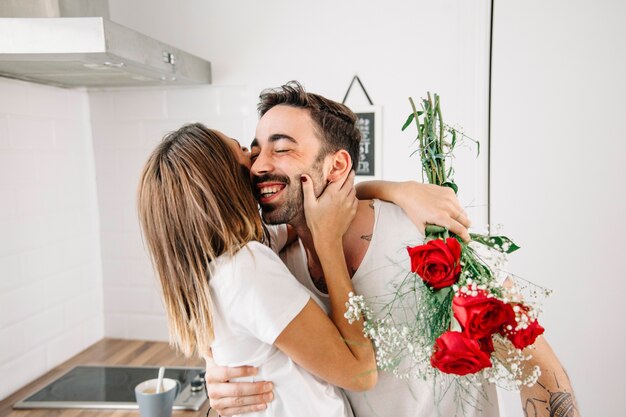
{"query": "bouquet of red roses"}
pixel 479 310
pixel 468 317
pixel 458 276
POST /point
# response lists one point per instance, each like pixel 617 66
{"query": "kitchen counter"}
pixel 105 352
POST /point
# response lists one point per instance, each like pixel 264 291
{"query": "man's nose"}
pixel 262 164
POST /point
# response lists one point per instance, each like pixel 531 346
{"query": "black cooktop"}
pixel 112 387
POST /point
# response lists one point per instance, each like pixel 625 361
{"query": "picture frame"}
pixel 369 166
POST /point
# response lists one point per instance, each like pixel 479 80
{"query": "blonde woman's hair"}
pixel 195 204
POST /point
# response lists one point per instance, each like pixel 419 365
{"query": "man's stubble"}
pixel 291 210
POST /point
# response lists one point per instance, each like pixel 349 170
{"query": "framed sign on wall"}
pixel 369 164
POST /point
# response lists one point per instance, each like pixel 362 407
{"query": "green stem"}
pixel 441 136
pixel 417 122
pixel 432 140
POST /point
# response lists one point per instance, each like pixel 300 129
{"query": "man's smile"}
pixel 268 191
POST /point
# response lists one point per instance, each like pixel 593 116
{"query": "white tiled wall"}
pixel 127 125
pixel 50 268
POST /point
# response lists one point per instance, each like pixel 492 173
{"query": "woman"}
pixel 225 291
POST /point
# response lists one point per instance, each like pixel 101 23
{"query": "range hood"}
pixel 72 43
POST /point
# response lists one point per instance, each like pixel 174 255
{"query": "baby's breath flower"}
pixel 356 307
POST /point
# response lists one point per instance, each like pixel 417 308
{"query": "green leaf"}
pixel 499 243
pixel 443 294
pixel 453 143
pixel 434 232
pixel 451 185
pixel 408 121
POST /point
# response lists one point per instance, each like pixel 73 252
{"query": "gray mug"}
pixel 152 404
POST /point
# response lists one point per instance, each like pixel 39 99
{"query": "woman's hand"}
pixel 329 215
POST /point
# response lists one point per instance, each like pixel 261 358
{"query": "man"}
pixel 303 133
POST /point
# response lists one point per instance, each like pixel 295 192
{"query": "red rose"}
pixel 486 344
pixel 437 262
pixel 457 354
pixel 481 316
pixel 524 337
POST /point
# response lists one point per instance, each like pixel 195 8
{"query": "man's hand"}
pixel 228 398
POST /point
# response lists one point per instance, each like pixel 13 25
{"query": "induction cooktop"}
pixel 114 387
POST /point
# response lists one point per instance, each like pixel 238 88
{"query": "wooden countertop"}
pixel 105 352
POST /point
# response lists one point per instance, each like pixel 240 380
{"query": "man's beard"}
pixel 291 208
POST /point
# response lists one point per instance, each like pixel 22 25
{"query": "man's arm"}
pixel 229 398
pixel 552 395
pixel 423 203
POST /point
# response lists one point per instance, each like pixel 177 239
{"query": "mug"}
pixel 152 404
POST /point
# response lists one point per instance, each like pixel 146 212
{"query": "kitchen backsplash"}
pixel 50 268
pixel 127 125
pixel 73 267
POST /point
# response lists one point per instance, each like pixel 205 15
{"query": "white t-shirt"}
pixel 278 236
pixel 387 262
pixel 255 298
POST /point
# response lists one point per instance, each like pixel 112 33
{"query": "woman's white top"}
pixel 255 297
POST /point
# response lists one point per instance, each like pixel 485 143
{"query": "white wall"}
pixel 127 125
pixel 50 272
pixel 558 157
pixel 324 43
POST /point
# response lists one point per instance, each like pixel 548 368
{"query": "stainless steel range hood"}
pixel 89 51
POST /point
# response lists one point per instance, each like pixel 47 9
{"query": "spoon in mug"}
pixel 159 386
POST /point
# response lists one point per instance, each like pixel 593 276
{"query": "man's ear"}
pixel 340 163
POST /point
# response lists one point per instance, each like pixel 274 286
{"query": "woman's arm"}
pixel 313 341
pixel 423 203
pixel 336 351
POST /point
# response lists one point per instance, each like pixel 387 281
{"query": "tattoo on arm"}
pixel 530 408
pixel 369 237
pixel 560 403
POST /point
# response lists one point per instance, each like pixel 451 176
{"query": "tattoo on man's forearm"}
pixel 559 403
pixel 530 408
pixel 367 237
pixel 562 403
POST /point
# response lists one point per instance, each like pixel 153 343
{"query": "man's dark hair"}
pixel 335 122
